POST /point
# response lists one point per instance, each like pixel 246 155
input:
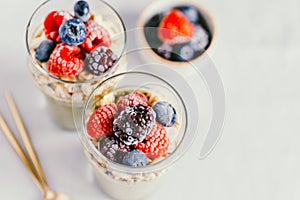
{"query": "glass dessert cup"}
pixel 175 53
pixel 63 95
pixel 121 181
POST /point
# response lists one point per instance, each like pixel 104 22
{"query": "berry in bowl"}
pixel 72 46
pixel 175 31
pixel 133 134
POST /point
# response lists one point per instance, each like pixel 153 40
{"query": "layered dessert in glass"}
pixel 134 133
pixel 72 46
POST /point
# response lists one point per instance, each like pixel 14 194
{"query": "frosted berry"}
pixel 190 12
pixel 165 113
pixel 134 123
pixel 200 39
pixel 52 23
pixel 100 60
pixel 135 158
pixel 132 99
pixel 65 61
pixel 183 52
pixel 82 10
pixel 112 148
pixel 175 28
pixel 101 121
pixel 95 35
pixel 44 50
pixel 156 142
pixel 72 31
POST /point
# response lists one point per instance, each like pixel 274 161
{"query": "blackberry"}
pixel 100 60
pixel 133 123
pixel 111 147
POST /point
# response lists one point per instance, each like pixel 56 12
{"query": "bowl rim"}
pixel 204 11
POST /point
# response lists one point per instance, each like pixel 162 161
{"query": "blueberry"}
pixel 82 10
pixel 165 113
pixel 44 50
pixel 182 52
pixel 72 31
pixel 190 12
pixel 135 158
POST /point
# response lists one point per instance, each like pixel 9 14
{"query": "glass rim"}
pixel 160 165
pixel 44 72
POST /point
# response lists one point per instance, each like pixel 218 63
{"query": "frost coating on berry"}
pixel 200 39
pixel 135 158
pixel 165 113
pixel 156 142
pixel 72 31
pixel 112 148
pixel 95 35
pixel 101 121
pixel 100 60
pixel 132 99
pixel 65 61
pixel 165 50
pixel 52 22
pixel 82 10
pixel 134 123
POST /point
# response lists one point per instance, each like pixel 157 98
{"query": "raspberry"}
pixel 52 22
pixel 156 142
pixel 95 35
pixel 175 28
pixel 101 121
pixel 100 60
pixel 132 99
pixel 65 61
pixel 111 147
pixel 134 123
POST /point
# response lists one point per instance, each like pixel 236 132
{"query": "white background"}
pixel 257 53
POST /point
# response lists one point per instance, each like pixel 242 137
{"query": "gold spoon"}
pixel 34 165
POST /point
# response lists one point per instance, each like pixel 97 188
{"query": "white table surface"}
pixel 257 54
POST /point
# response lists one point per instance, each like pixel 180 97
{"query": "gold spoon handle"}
pixel 18 149
pixel 26 139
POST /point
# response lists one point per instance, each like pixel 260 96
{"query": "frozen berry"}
pixel 165 113
pixel 52 23
pixel 133 124
pixel 132 99
pixel 72 31
pixel 44 50
pixel 112 148
pixel 65 61
pixel 135 158
pixel 156 142
pixel 82 10
pixel 190 12
pixel 100 60
pixel 96 35
pixel 175 28
pixel 200 39
pixel 182 52
pixel 165 50
pixel 101 121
